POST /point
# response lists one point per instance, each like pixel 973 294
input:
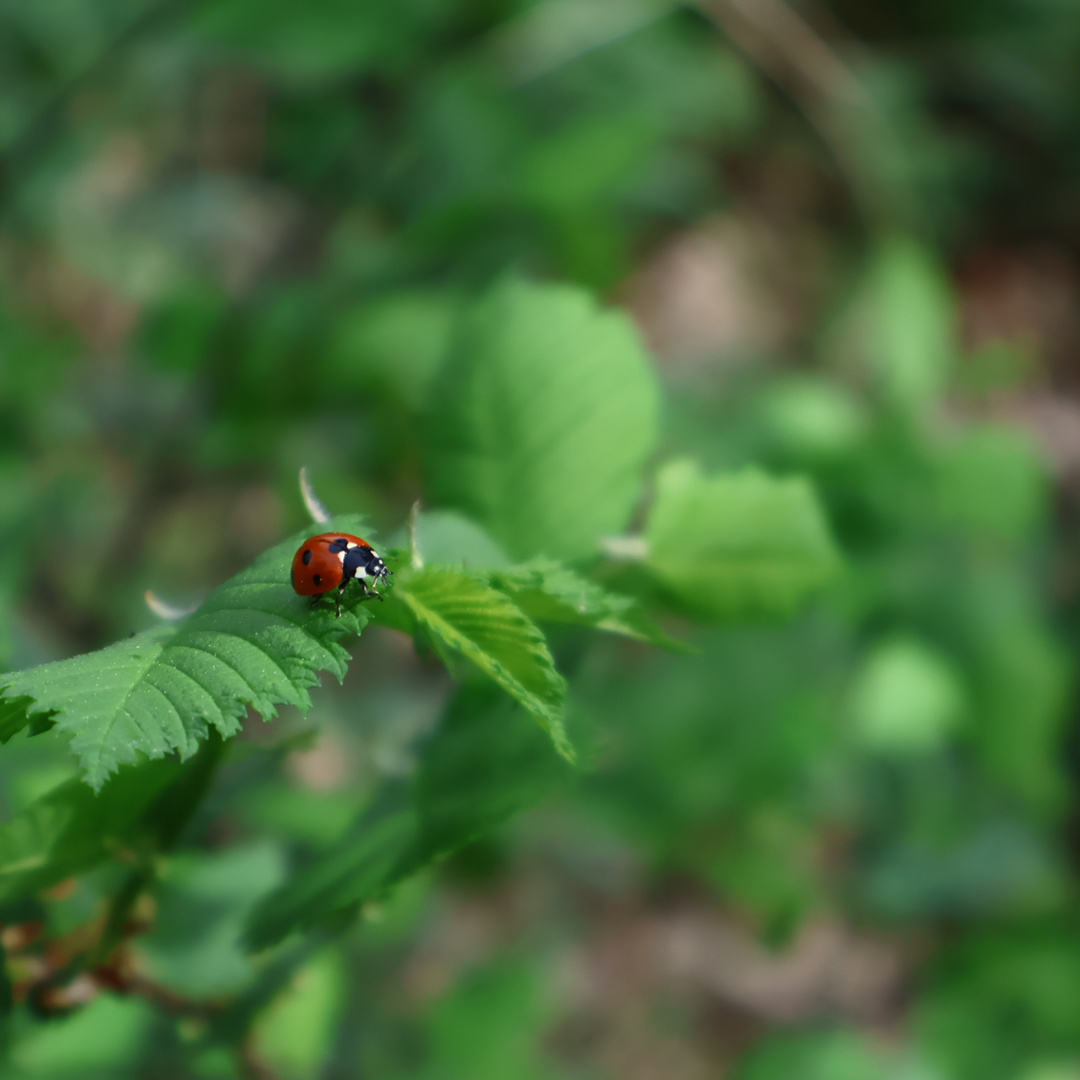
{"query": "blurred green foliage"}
pixel 793 583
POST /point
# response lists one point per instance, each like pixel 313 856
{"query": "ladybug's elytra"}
pixel 331 561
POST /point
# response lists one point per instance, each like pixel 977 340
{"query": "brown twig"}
pixel 810 70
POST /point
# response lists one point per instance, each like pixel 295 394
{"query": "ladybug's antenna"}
pixel 315 506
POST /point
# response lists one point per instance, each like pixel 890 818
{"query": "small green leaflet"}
pixel 253 644
pixel 547 410
pixel 742 544
pixel 462 615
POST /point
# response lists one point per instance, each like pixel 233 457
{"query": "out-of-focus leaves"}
pixel 911 345
pixel 72 829
pixel 737 545
pixel 547 411
pixel 252 643
pixel 835 1055
pixel 555 32
pixel 480 766
pixel 336 39
pixel 907 698
pixel 992 484
pixel 203 902
pixel 1024 679
pixel 490 1026
pixel 397 342
pixel 295 1033
pixel 1003 998
pixel 812 419
pixel 100 1042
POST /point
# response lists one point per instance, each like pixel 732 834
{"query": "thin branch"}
pixel 807 67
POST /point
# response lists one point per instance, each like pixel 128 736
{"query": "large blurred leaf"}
pixel 741 544
pixel 203 900
pixel 543 417
pixel 100 1042
pixel 72 829
pixel 464 616
pixel 481 765
pixel 253 644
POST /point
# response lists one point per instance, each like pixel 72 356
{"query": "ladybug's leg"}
pixel 370 592
pixel 340 593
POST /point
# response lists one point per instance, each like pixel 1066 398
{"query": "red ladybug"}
pixel 331 561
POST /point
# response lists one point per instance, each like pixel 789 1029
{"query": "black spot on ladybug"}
pixel 318 580
pixel 307 557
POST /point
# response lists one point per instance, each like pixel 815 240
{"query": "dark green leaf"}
pixel 73 828
pixel 482 765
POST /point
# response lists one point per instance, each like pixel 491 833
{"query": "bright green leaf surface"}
pixel 467 617
pixel 547 411
pixel 253 644
pixel 737 545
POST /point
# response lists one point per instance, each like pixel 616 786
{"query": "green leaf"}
pixel 480 766
pixel 912 342
pixel 296 1033
pixel 546 412
pixel 907 699
pixel 465 616
pixel 744 544
pixel 72 829
pixel 549 591
pixel 203 901
pixel 253 644
pixel 103 1040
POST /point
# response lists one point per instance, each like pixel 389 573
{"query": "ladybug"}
pixel 331 561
